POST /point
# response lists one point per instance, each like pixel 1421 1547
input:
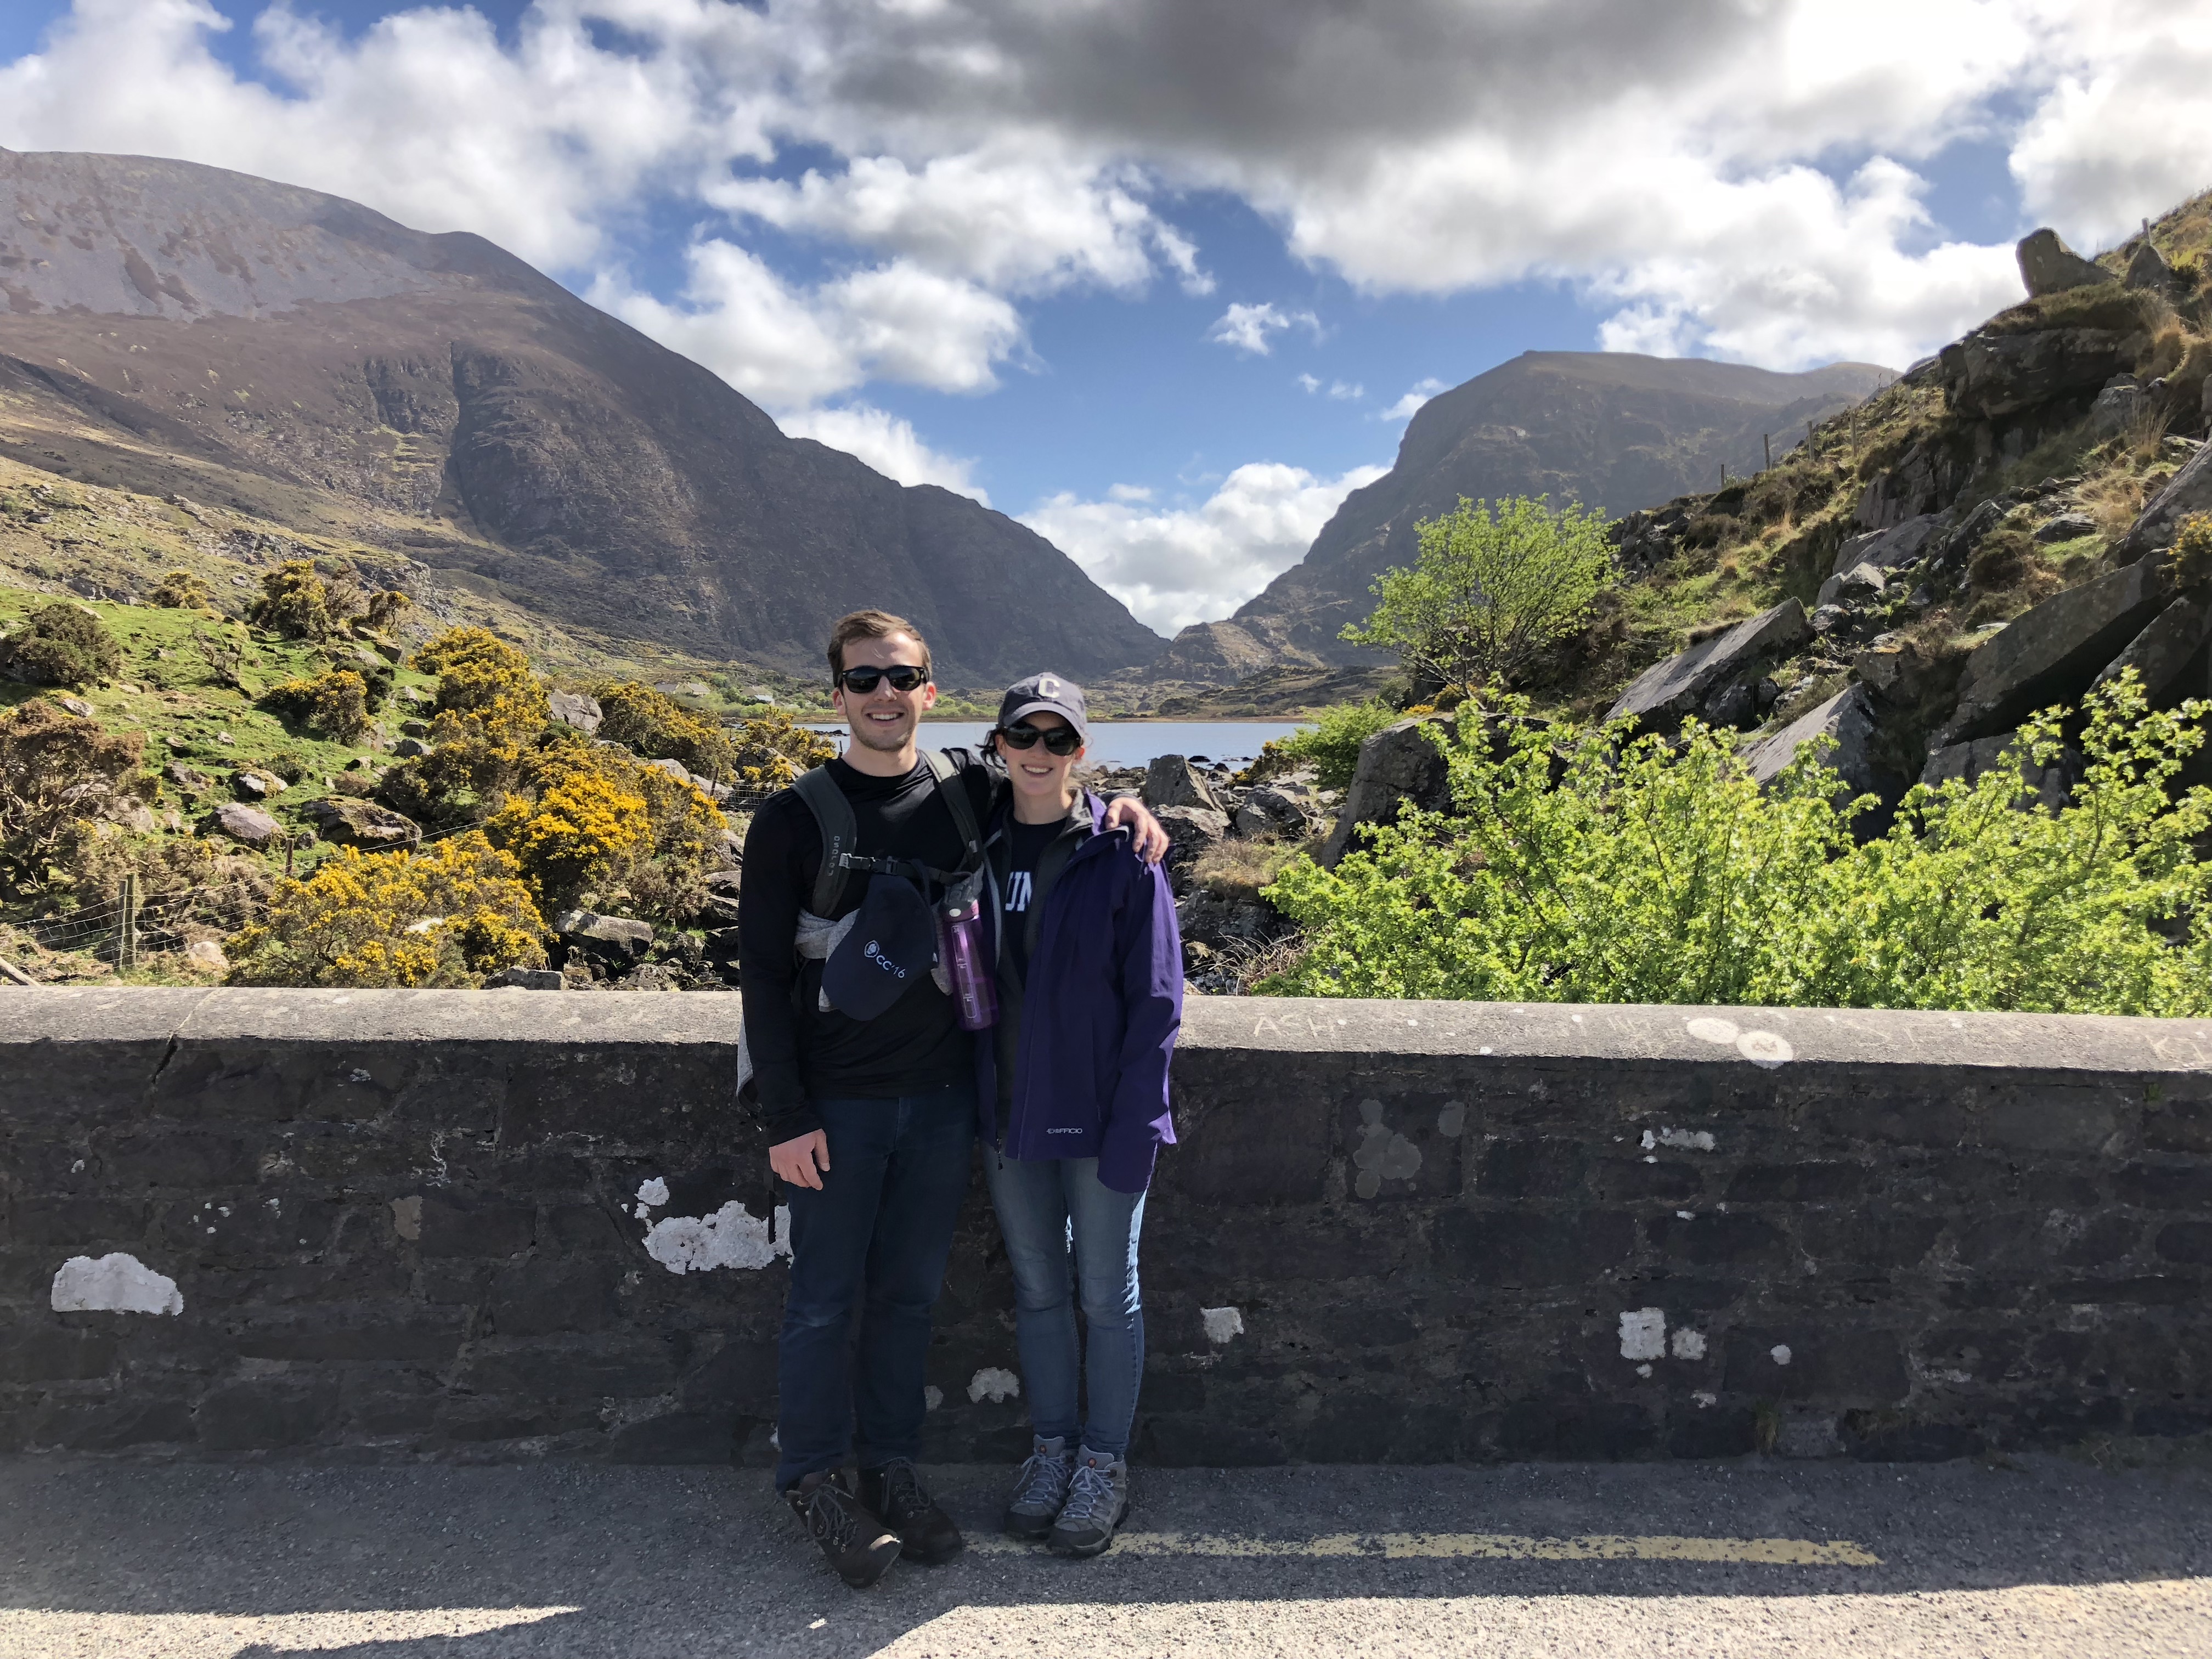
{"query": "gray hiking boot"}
pixel 1097 1503
pixel 1041 1488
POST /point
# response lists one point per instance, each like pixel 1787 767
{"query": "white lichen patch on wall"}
pixel 1688 1345
pixel 114 1283
pixel 993 1382
pixel 1644 1334
pixel 1221 1323
pixel 731 1237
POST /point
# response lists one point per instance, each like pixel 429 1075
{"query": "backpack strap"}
pixel 954 794
pixel 833 816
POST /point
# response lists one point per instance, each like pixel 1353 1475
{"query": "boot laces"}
pixel 830 1521
pixel 903 1491
pixel 1090 1491
pixel 1044 1479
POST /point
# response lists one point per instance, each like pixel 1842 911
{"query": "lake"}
pixel 1126 743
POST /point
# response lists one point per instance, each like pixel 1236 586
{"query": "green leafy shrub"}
pixel 1330 745
pixel 1660 873
pixel 1490 589
pixel 2192 551
pixel 335 704
pixel 61 645
pixel 56 771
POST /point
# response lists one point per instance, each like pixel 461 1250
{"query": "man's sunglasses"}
pixel 1061 740
pixel 904 677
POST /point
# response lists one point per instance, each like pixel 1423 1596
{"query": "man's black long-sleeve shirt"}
pixel 799 1053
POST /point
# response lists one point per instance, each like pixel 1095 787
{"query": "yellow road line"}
pixel 1481 1547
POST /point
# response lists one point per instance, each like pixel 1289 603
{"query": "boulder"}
pixel 408 748
pixel 726 882
pixel 2048 786
pixel 2065 527
pixel 1270 811
pixel 1993 375
pixel 723 944
pixel 353 823
pixel 2047 265
pixel 610 941
pixel 257 786
pixel 1829 617
pixel 77 706
pixel 249 824
pixel 421 728
pixel 2146 268
pixel 570 708
pixel 718 909
pixel 1401 762
pixel 185 777
pixel 1171 781
pixel 1885 550
pixel 697 690
pixel 2052 653
pixel 1192 832
pixel 2118 406
pixel 527 979
pixel 204 956
pixel 2173 653
pixel 1860 582
pixel 1665 691
pixel 2158 523
pixel 1846 719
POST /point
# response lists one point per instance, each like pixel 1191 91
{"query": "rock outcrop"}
pixel 2052 653
pixel 1846 721
pixel 573 708
pixel 2047 265
pixel 1990 376
pixel 354 823
pixel 1401 762
pixel 1171 781
pixel 246 824
pixel 2160 522
pixel 1721 668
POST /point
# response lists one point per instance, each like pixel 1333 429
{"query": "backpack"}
pixel 833 814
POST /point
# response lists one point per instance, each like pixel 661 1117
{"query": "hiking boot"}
pixel 859 1547
pixel 925 1532
pixel 1097 1503
pixel 1040 1489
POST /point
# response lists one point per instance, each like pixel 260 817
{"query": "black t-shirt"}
pixel 1026 844
pixel 799 1052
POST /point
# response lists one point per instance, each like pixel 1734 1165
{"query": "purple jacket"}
pixel 1098 1018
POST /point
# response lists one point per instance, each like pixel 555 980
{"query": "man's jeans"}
pixel 1042 1205
pixel 876 1238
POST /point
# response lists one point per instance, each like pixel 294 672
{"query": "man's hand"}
pixel 1151 841
pixel 796 1161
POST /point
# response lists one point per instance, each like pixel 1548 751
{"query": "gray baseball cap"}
pixel 1056 692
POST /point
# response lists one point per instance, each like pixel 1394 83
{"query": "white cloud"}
pixel 887 442
pixel 1425 388
pixel 1176 565
pixel 1350 392
pixel 1246 328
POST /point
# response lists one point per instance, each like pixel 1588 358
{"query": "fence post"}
pixel 1766 443
pixel 126 941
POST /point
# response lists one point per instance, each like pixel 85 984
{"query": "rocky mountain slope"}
pixel 1996 533
pixel 1612 429
pixel 174 330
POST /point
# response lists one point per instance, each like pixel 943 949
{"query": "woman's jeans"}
pixel 873 1242
pixel 1045 1205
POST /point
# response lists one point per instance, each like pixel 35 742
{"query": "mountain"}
pixel 1613 430
pixel 181 330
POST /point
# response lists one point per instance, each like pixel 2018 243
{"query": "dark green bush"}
pixel 61 645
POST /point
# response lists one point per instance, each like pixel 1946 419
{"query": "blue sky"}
pixel 1164 282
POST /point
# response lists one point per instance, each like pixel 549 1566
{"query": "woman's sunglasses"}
pixel 1061 740
pixel 904 677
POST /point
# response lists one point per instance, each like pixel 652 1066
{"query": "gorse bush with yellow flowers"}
pixel 445 916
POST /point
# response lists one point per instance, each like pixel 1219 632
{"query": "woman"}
pixel 1090 1001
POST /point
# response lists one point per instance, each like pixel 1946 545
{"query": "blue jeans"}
pixel 1045 1205
pixel 874 1240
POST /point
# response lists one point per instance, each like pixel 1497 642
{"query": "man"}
pixel 870 1121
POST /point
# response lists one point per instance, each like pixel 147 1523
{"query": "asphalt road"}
pixel 2044 1558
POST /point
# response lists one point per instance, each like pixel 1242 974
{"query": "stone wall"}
pixel 448 1224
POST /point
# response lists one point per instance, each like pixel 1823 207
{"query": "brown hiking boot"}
pixel 858 1545
pixel 925 1531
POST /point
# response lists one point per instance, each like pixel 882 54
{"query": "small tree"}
pixel 385 607
pixel 55 771
pixel 61 645
pixel 1490 588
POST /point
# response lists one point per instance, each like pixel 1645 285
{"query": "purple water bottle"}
pixel 960 946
